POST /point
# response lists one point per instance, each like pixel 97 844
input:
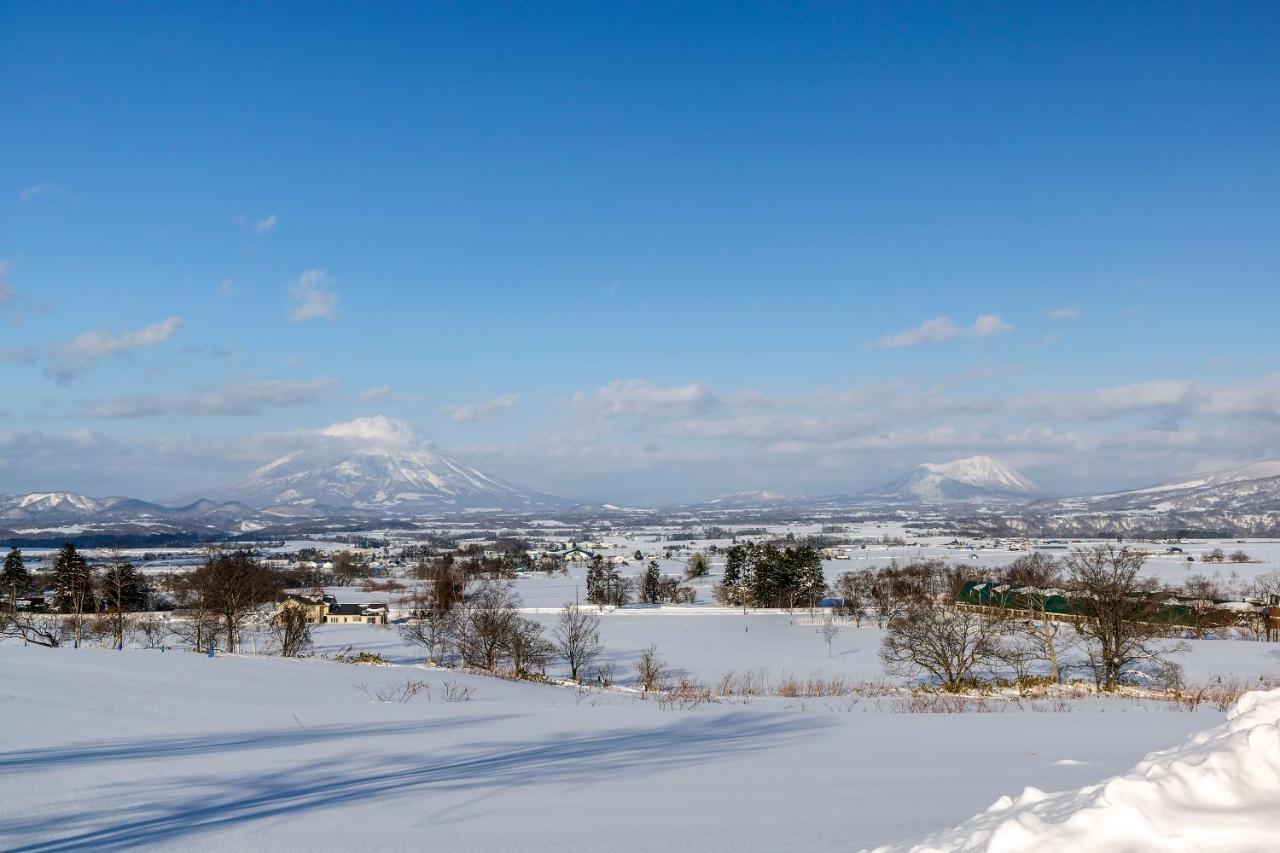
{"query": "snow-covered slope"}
pixel 740 500
pixel 1251 489
pixel 969 479
pixel 48 505
pixel 1218 791
pixel 378 464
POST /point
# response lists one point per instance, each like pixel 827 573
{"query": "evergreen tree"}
pixel 597 581
pixel 651 585
pixel 124 588
pixel 809 577
pixel 729 591
pixel 15 580
pixel 72 581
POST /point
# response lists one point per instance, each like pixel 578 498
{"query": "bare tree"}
pixel 528 651
pixel 830 630
pixel 347 567
pixel 854 591
pixel 291 631
pixel 1202 596
pixel 1119 612
pixel 650 669
pixel 37 629
pixel 949 644
pixel 124 590
pixel 150 631
pixel 232 585
pixel 1038 578
pixel 430 626
pixel 486 623
pixel 577 638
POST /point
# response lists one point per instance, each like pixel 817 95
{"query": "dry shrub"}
pixel 456 692
pixel 687 694
pixel 371 658
pixel 371 585
pixel 399 693
pixel 650 669
pixel 752 682
pixel 926 702
pixel 1221 693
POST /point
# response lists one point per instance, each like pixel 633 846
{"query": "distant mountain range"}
pixel 366 482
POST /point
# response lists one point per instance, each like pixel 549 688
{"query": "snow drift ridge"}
pixel 1217 791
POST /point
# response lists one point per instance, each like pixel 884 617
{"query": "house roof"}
pixel 355 610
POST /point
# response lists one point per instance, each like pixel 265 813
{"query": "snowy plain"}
pixel 104 749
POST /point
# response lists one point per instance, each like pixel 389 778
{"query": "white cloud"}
pixel 40 189
pixel 248 397
pixel 641 397
pixel 265 225
pixel 313 297
pixel 1065 312
pixel 483 411
pixel 377 392
pixel 226 287
pixel 72 358
pixel 375 430
pixel 941 329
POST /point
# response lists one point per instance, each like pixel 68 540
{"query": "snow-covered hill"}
pixel 973 478
pixel 1250 489
pixel 741 500
pixel 377 464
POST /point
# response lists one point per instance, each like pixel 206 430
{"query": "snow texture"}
pixel 1218 791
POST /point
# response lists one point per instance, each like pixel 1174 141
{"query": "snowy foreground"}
pixel 1218 791
pixel 106 749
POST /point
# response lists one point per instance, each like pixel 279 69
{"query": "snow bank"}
pixel 1218 791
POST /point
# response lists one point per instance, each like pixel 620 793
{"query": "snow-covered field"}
pixel 105 749
pixel 705 646
pixel 174 750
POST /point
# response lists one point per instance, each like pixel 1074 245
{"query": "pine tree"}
pixel 73 587
pixel 729 591
pixel 15 580
pixel 597 581
pixel 124 587
pixel 651 585
pixel 72 581
pixel 811 581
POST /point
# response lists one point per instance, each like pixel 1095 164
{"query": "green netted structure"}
pixel 1028 599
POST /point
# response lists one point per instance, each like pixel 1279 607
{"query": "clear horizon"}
pixel 645 255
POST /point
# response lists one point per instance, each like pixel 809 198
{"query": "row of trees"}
pixel 217 600
pixel 1114 632
pixel 768 576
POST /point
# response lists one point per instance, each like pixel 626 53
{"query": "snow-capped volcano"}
pixel 378 464
pixel 970 479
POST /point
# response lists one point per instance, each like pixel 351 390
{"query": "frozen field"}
pixel 706 645
pixel 103 749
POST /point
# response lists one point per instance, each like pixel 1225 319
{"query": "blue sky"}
pixel 640 252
